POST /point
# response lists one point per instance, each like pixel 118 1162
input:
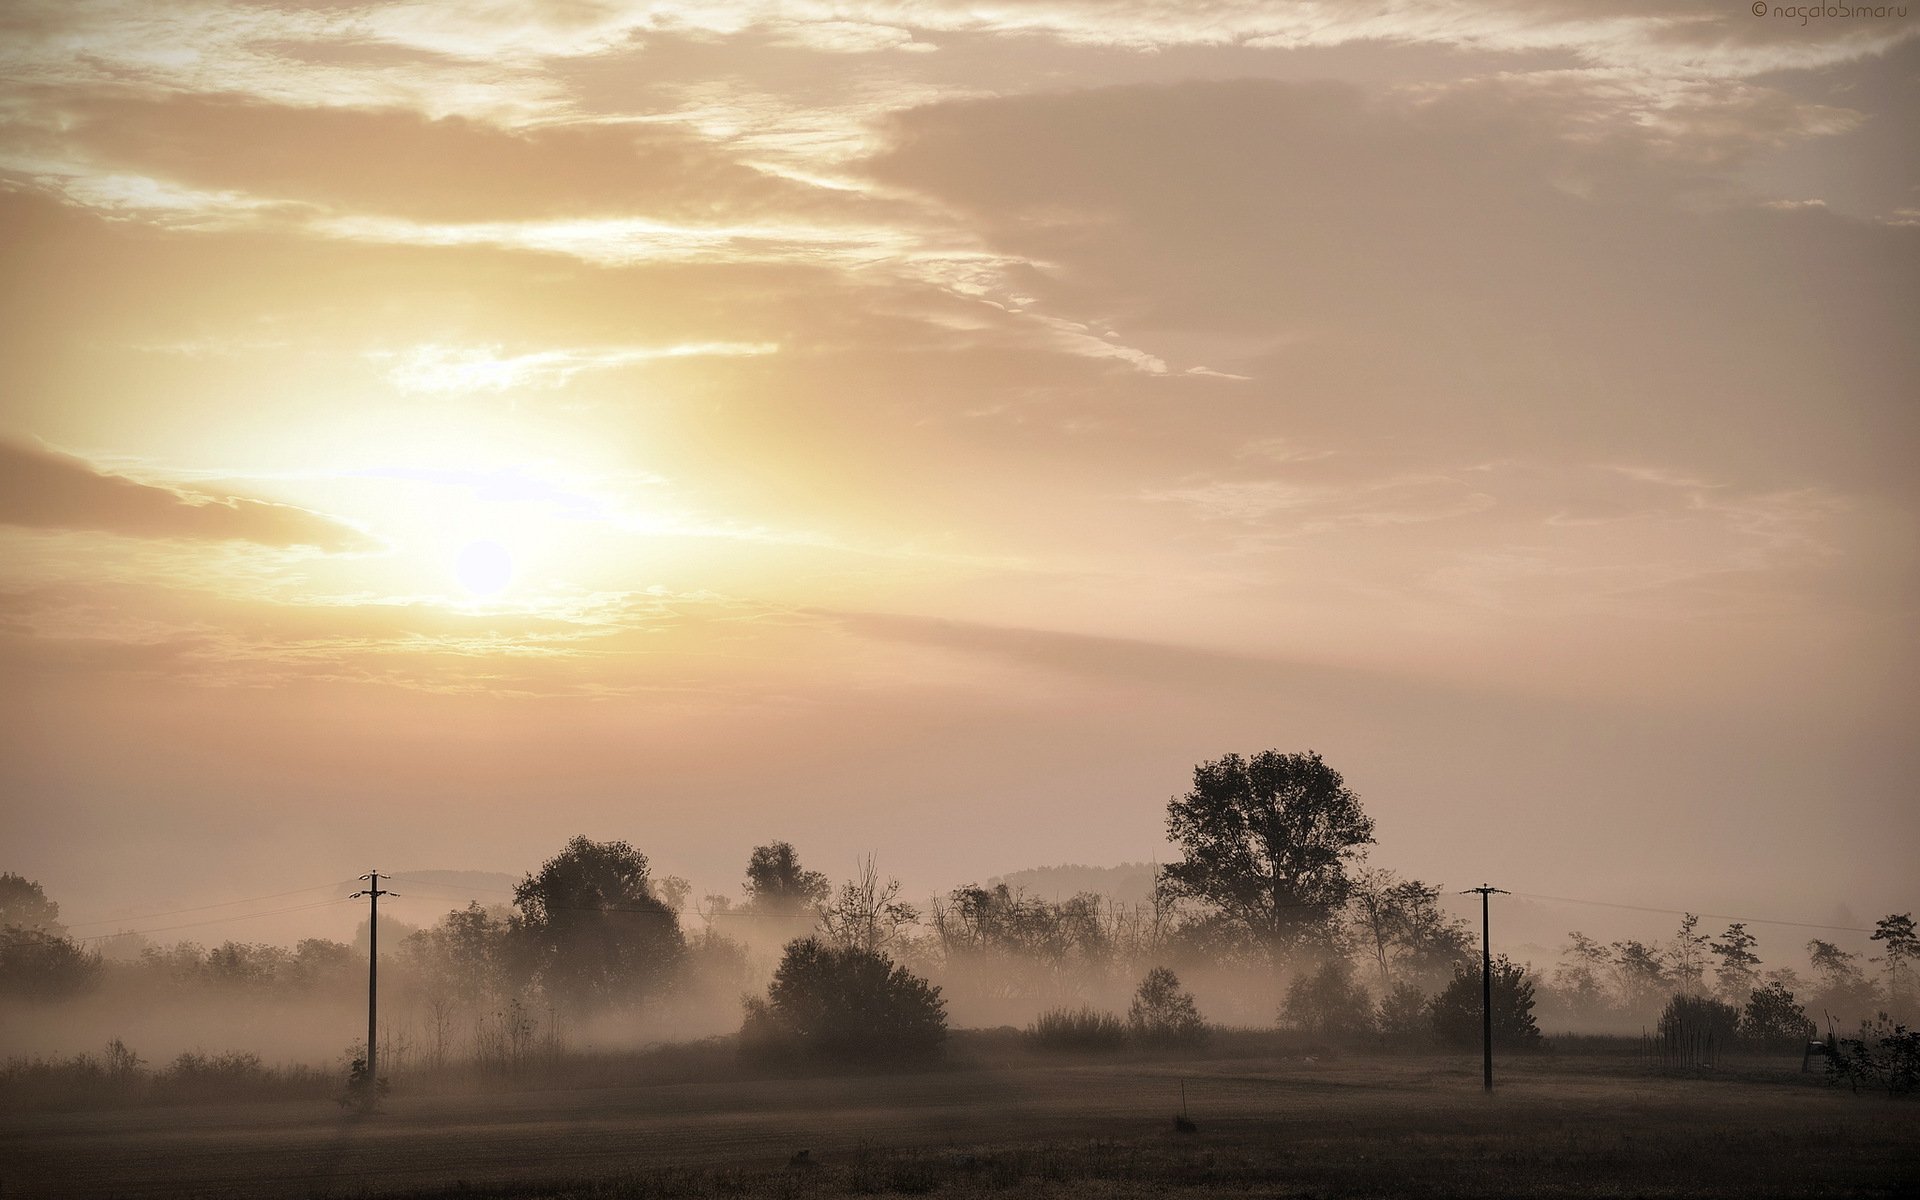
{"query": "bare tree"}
pixel 867 914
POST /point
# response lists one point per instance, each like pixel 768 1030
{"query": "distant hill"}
pixel 1128 883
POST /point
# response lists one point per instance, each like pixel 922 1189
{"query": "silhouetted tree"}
pixel 1641 976
pixel 1689 955
pixel 592 929
pixel 1738 970
pixel 1401 925
pixel 777 883
pixel 844 1003
pixel 1841 988
pixel 37 965
pixel 1455 1012
pixel 1773 1019
pixel 1163 1013
pixel 24 905
pixel 866 913
pixel 1896 932
pixel 1266 842
pixel 1686 1018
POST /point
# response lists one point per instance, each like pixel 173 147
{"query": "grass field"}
pixel 1359 1126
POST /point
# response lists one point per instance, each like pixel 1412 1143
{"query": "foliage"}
pixel 1840 986
pixel 1400 923
pixel 778 884
pixel 1266 841
pixel 593 930
pixel 1025 945
pixel 1455 1012
pixel 1084 1028
pixel 1896 933
pixel 1688 955
pixel 1886 1054
pixel 1328 1001
pixel 844 1003
pixel 38 965
pixel 1401 1016
pixel 24 905
pixel 1163 1013
pixel 1739 965
pixel 867 914
pixel 1640 976
pixel 1688 1017
pixel 1773 1019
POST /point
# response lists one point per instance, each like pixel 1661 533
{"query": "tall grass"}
pixel 1077 1029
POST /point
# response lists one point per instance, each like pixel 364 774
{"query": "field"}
pixel 1267 1126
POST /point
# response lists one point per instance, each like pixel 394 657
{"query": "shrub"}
pixel 1084 1028
pixel 1162 1014
pixel 1884 1055
pixel 1773 1019
pixel 1695 1017
pixel 844 1002
pixel 1330 1002
pixel 1455 1012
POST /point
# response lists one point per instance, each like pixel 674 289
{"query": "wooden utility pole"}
pixel 372 892
pixel 1486 982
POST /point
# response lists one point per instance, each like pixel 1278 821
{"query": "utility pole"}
pixel 372 892
pixel 1486 982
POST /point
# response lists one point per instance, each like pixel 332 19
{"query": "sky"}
pixel 431 431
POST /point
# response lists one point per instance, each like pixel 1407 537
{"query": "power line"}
pixel 1682 912
pixel 272 912
pixel 203 907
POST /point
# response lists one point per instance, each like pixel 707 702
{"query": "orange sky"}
pixel 431 431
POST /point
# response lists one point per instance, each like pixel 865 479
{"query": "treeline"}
pixel 1270 914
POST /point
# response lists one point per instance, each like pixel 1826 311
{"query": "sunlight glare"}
pixel 484 568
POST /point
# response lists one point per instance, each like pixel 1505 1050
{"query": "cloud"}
pixel 43 489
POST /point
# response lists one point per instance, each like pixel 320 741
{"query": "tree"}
pixel 1400 924
pixel 37 965
pixel 1266 842
pixel 1163 1014
pixel 1896 932
pixel 778 884
pixel 844 1003
pixel 867 914
pixel 1772 1019
pixel 1577 980
pixel 1402 1015
pixel 1328 1001
pixel 1689 955
pixel 591 927
pixel 1455 1012
pixel 1841 988
pixel 1738 970
pixel 1641 973
pixel 23 905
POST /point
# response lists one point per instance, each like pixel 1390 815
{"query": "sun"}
pixel 484 568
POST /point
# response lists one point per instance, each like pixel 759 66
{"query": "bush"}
pixel 1455 1012
pixel 1773 1019
pixel 1884 1055
pixel 1699 1017
pixel 844 1003
pixel 1329 1002
pixel 1164 1015
pixel 1084 1028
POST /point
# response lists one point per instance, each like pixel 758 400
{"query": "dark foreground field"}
pixel 1267 1127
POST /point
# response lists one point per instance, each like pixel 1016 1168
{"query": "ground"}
pixel 1354 1126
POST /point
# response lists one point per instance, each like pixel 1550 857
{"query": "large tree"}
pixel 1266 842
pixel 593 928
